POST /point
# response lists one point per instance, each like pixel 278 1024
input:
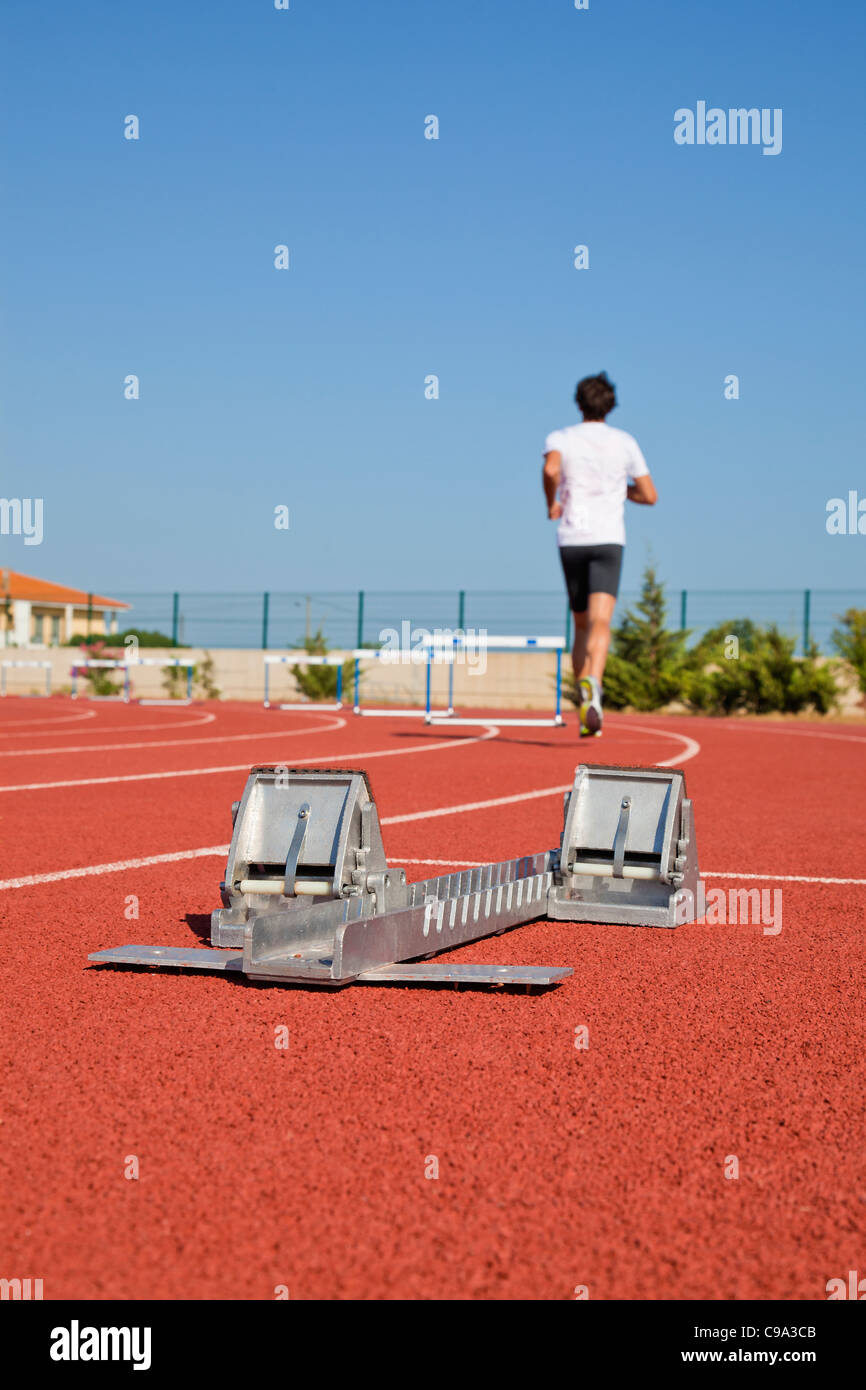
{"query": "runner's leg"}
pixel 578 651
pixel 600 617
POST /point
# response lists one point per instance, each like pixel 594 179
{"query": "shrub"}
pixel 174 680
pixel 143 637
pixel 101 680
pixel 737 666
pixel 320 682
pixel 850 642
pixel 760 675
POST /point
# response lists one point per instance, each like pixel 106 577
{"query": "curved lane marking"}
pixel 245 767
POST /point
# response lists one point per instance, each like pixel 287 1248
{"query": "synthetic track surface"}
pixel 557 1167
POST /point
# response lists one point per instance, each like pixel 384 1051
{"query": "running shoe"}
pixel 590 707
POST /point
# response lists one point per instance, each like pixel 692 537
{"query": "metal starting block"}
pixel 309 898
pixel 628 851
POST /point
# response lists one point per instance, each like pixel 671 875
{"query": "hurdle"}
pixel 108 664
pixel 40 665
pixel 305 659
pixel 167 661
pixel 420 656
pixel 505 643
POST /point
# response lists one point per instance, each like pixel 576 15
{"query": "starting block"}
pixel 309 897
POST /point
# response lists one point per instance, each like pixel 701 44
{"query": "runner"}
pixel 589 471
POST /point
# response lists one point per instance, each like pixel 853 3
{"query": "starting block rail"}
pixel 45 666
pixel 309 897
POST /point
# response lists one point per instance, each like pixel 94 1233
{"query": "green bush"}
pixel 174 680
pixel 756 674
pixel 850 642
pixel 101 680
pixel 736 667
pixel 143 637
pixel 319 683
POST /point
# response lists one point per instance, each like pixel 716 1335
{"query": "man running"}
pixel 589 470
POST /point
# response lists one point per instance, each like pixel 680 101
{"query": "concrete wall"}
pixel 512 680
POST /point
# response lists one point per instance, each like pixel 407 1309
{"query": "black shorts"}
pixel 590 569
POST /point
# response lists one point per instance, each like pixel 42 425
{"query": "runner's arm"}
pixel 551 474
pixel 643 490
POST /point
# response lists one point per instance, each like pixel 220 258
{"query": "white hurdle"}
pixel 506 643
pixel 162 661
pixel 39 665
pixel 390 657
pixel 112 664
pixel 305 659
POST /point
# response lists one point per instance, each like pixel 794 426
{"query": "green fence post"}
pixel 461 610
pixel 360 641
pixel 807 609
pixel 175 618
pixel 683 607
pixel 89 612
pixel 266 599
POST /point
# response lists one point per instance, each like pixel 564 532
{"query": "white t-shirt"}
pixel 598 463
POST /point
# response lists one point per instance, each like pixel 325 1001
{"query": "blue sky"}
pixel 411 257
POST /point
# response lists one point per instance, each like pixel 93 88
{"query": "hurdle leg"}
pixel 357 701
pixel 558 683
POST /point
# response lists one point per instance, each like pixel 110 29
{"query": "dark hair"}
pixel 595 396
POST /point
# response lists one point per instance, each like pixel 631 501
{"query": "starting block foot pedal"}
pixel 628 852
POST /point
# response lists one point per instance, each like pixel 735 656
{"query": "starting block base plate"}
pixel 410 973
pixel 171 957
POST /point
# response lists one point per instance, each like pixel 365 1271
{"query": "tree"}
pixel 647 662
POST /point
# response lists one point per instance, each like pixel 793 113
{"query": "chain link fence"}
pixel 278 621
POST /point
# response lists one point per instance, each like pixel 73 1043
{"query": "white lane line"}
pixel 709 873
pixel 321 758
pixel 796 733
pixel 784 878
pixel 28 724
pixel 691 750
pixel 118 867
pixel 171 742
pixel 220 851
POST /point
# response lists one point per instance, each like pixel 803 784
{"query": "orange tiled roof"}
pixel 14 585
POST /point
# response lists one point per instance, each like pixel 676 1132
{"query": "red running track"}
pixel 559 1168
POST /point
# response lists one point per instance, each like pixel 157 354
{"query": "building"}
pixel 37 613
